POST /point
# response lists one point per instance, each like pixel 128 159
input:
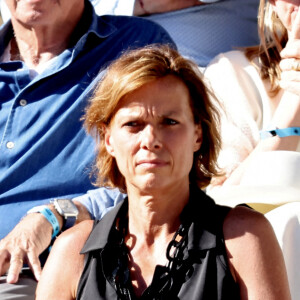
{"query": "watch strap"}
pixel 68 219
pixel 282 132
pixel 49 215
pixel 69 222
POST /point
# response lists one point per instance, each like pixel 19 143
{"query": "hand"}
pixel 290 78
pixel 24 244
pixel 290 63
pixel 28 240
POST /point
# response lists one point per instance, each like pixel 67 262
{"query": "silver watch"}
pixel 68 210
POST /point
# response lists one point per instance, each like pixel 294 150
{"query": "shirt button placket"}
pixel 10 144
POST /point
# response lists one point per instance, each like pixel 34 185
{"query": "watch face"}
pixel 67 206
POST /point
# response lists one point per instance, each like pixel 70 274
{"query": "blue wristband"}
pixel 283 132
pixel 49 215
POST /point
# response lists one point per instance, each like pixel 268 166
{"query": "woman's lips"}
pixel 151 163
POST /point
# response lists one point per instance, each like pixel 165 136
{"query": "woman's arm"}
pixel 287 113
pixel 240 124
pixel 64 266
pixel 255 257
pixel 241 92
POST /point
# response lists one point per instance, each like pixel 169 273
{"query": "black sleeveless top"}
pixel 203 274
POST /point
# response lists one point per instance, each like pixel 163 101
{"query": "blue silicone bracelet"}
pixel 49 215
pixel 283 132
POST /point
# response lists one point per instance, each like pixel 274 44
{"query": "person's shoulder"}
pixel 237 56
pixel 140 29
pixel 244 216
pixel 234 58
pixel 82 228
pixel 226 66
pixel 243 222
pixel 254 255
pixel 131 21
pixel 59 282
pixel 75 236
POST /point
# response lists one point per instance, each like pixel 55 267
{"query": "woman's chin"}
pixel 151 183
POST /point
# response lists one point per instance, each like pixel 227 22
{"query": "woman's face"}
pixel 286 11
pixel 153 136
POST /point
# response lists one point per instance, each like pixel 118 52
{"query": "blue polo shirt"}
pixel 44 151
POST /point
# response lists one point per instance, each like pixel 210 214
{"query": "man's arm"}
pixel 28 240
pixel 33 234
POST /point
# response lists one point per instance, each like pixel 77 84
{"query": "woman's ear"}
pixel 198 138
pixel 109 143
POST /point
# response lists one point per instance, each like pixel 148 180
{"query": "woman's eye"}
pixel 170 122
pixel 131 124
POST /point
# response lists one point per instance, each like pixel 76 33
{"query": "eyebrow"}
pixel 170 113
pixel 165 114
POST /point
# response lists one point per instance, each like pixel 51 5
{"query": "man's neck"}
pixel 33 51
pixel 37 45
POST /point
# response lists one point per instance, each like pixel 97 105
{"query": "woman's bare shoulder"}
pixel 79 232
pixel 59 282
pixel 73 239
pixel 246 229
pixel 241 220
pixel 254 255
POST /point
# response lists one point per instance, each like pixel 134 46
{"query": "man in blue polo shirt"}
pixel 50 56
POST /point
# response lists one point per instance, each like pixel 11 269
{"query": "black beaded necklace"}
pixel 167 280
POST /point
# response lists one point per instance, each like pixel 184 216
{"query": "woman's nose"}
pixel 150 138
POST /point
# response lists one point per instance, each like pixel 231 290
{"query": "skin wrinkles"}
pixel 38 27
pixel 149 130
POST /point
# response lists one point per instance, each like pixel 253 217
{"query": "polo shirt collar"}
pixel 6 33
pixel 98 25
